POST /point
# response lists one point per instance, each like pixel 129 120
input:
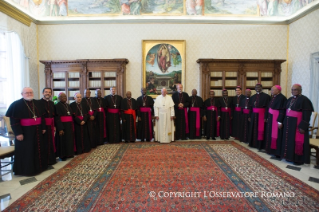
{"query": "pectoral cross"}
pixel 143 104
pixel 289 110
pixel 226 108
pixel 35 117
pixel 68 113
pixel 213 109
pixel 99 109
pixel 192 105
pixel 114 106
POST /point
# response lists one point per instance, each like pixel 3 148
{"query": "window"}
pixel 3 76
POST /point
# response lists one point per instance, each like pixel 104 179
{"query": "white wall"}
pixel 99 41
pixel 303 41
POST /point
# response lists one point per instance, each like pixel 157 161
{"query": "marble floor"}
pixel 12 187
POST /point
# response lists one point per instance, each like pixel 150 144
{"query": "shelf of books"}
pixel 216 82
pixel 103 80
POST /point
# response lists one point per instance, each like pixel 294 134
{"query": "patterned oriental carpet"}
pixel 181 176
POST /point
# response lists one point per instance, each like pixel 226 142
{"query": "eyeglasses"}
pixel 28 93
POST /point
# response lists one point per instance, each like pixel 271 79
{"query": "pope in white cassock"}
pixel 164 114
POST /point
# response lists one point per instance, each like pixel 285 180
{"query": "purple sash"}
pixel 148 110
pixel 30 122
pixel 299 138
pixel 246 111
pixel 197 110
pixel 238 109
pixel 274 128
pixel 261 122
pixel 186 118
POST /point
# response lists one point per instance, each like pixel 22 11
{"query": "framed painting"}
pixel 163 65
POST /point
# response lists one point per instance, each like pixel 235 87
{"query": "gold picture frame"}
pixel 163 65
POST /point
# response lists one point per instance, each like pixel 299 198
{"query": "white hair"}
pixel 26 88
pixel 163 89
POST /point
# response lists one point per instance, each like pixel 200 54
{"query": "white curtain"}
pixel 17 68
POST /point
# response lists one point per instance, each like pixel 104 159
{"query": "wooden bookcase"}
pixel 219 74
pixel 71 76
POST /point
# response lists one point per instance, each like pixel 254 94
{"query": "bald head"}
pixel 27 93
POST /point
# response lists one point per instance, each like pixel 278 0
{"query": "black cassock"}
pixel 100 120
pixel 81 113
pixel 273 138
pixel 237 116
pixel 256 137
pixel 225 122
pixel 91 124
pixel 244 126
pixel 128 110
pixel 181 128
pixel 293 150
pixel 49 135
pixel 113 104
pixel 65 146
pixel 211 116
pixel 145 126
pixel 30 157
pixel 195 104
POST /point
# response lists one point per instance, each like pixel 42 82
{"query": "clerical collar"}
pixel 45 99
pixel 78 103
pixel 129 98
pixel 238 95
pixel 296 96
pixel 247 97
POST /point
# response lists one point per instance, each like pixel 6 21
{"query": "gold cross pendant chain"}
pixel 32 111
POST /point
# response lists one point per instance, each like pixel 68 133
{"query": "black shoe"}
pixel 214 138
pixel 63 159
pixel 207 138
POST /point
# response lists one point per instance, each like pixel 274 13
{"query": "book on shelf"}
pixel 58 84
pixel 107 92
pixel 230 82
pixel 109 74
pixel 94 84
pixel 72 93
pixel 216 74
pixel 216 83
pixel 252 74
pixel 231 74
pixel 109 83
pixel 266 74
pixel 96 74
pixel 267 83
pixel 74 84
pixel 56 93
pixel 59 75
pixel 74 74
pixel 251 83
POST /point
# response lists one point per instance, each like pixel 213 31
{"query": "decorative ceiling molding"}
pixel 26 17
pixel 15 13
